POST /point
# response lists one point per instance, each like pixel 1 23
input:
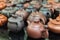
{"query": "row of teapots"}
pixel 27 6
pixel 36 27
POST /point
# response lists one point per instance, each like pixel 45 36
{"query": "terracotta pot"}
pixel 2 5
pixel 54 25
pixel 22 13
pixel 39 15
pixel 3 20
pixel 36 30
pixel 15 23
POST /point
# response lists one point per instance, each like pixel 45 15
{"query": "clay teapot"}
pixel 38 15
pixel 54 25
pixel 2 5
pixel 8 11
pixel 45 11
pixel 30 9
pixel 3 20
pixel 15 23
pixel 36 29
pixel 23 13
pixel 26 5
pixel 35 4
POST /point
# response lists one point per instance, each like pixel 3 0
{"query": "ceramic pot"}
pixel 30 9
pixel 15 23
pixel 54 25
pixel 38 15
pixel 26 5
pixel 9 11
pixel 2 5
pixel 35 4
pixel 36 30
pixel 45 11
pixel 3 20
pixel 22 13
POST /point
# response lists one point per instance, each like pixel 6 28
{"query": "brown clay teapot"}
pixel 54 25
pixel 3 20
pixel 36 29
pixel 38 15
pixel 2 5
pixel 22 13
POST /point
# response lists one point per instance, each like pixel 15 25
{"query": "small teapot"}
pixel 45 11
pixel 15 23
pixel 26 5
pixel 22 13
pixel 3 20
pixel 35 4
pixel 54 25
pixel 2 5
pixel 8 11
pixel 36 29
pixel 38 15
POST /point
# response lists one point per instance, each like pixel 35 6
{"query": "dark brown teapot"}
pixel 38 15
pixel 54 25
pixel 36 29
pixel 22 13
pixel 3 20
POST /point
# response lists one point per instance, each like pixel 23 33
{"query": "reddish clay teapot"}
pixel 36 29
pixel 38 15
pixel 3 20
pixel 22 13
pixel 54 25
pixel 2 5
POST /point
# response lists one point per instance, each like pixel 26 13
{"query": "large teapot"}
pixel 36 29
pixel 38 15
pixel 3 20
pixel 54 25
pixel 15 23
pixel 22 13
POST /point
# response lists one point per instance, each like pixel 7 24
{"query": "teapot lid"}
pixel 15 19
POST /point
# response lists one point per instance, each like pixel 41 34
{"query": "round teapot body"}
pixel 35 30
pixel 54 25
pixel 15 24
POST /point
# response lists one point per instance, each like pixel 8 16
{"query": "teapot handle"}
pixel 28 22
